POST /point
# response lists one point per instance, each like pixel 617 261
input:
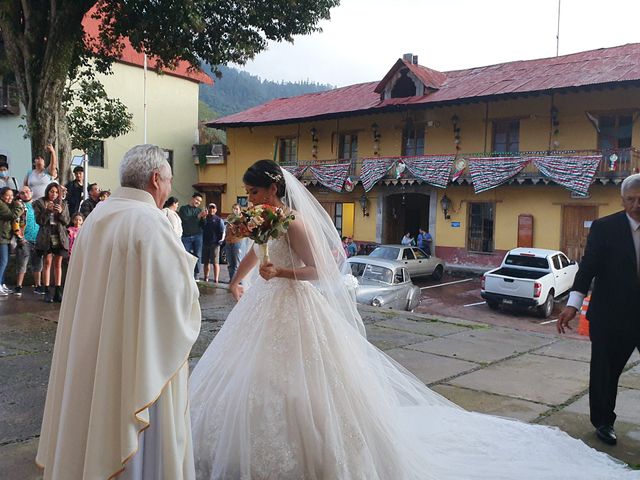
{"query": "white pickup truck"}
pixel 529 277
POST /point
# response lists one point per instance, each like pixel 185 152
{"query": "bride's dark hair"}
pixel 263 173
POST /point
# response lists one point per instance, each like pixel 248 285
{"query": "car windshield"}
pixel 379 274
pixel 388 253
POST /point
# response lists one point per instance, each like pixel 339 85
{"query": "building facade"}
pixel 525 153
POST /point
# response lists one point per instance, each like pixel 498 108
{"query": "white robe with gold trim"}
pixel 128 320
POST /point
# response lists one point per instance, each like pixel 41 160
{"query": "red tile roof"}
pixel 595 67
pixel 131 57
pixel 430 78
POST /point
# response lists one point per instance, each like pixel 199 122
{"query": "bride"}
pixel 291 389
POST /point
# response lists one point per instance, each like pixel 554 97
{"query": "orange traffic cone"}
pixel 583 324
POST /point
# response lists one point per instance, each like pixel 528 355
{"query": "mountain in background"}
pixel 237 91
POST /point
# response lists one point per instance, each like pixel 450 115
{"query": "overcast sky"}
pixel 365 37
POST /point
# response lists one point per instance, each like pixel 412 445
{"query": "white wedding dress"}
pixel 289 390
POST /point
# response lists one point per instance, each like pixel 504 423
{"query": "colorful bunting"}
pixel 295 170
pixel 572 172
pixel 331 176
pixel 373 169
pixel 434 170
pixel 491 172
pixel 458 169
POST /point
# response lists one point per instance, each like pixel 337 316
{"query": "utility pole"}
pixel 558 32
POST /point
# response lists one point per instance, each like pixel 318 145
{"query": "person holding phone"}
pixel 52 214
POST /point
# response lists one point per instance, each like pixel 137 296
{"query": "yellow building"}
pixel 524 153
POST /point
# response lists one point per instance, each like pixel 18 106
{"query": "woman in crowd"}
pixel 6 180
pixel 52 214
pixel 171 211
pixel 76 222
pixel 10 211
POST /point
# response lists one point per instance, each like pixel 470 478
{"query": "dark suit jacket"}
pixel 610 259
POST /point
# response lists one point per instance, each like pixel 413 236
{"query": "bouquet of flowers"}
pixel 260 223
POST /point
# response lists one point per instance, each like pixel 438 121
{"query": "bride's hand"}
pixel 268 271
pixel 236 290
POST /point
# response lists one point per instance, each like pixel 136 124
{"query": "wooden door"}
pixel 525 230
pixel 576 222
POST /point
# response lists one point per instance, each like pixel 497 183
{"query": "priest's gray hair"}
pixel 631 182
pixel 139 163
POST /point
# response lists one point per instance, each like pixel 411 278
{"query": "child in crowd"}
pixel 74 229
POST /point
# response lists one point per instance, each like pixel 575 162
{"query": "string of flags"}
pixel 574 172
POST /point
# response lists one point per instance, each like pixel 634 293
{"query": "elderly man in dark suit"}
pixel 612 259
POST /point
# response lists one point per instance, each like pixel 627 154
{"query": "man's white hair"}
pixel 631 182
pixel 139 163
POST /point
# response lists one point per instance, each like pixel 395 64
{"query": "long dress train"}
pixel 285 391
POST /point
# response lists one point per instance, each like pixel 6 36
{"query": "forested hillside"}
pixel 238 90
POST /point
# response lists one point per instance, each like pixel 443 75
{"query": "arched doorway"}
pixel 404 212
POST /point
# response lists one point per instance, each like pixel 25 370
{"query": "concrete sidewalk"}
pixel 533 377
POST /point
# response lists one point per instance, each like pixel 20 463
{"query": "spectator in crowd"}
pixel 345 246
pixel 212 238
pixel 52 214
pixel 7 180
pixel 407 239
pixel 171 211
pixel 26 250
pixel 352 248
pixel 424 241
pixel 104 194
pixel 75 189
pixel 76 222
pixel 190 215
pixel 233 250
pixel 40 177
pixel 90 203
pixel 10 211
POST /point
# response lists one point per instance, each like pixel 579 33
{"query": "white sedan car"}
pixel 416 260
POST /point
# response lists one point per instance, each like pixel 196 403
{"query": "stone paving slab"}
pixel 484 345
pixel 17 461
pixel 579 350
pixel 627 406
pixel 492 404
pixel 631 378
pixel 427 367
pixel 578 426
pixel 387 338
pixel 424 327
pixel 537 378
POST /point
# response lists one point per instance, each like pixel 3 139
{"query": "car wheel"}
pixel 544 310
pixel 493 305
pixel 437 273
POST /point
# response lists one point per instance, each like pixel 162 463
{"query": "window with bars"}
pixel 412 141
pixel 506 136
pixel 288 150
pixel 95 154
pixel 348 146
pixel 168 155
pixel 480 236
pixel 615 131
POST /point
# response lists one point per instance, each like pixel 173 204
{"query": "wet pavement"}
pixel 504 367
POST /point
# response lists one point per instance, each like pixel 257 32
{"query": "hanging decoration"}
pixel 490 172
pixel 613 162
pixel 458 168
pixel 331 176
pixel 375 129
pixel 373 169
pixel 400 168
pixel 572 172
pixel 555 130
pixel 348 185
pixel 314 142
pixel 295 170
pixel 455 120
pixel 434 170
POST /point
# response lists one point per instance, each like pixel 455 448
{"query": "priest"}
pixel 117 402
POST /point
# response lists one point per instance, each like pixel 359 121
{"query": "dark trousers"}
pixel 193 245
pixel 610 351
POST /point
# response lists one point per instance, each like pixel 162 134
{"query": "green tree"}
pixel 45 43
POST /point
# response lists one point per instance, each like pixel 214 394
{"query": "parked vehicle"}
pixel 417 261
pixel 529 277
pixel 382 283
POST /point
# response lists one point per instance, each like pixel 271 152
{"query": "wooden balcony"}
pixel 614 165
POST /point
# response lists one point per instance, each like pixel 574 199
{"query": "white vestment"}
pixel 128 320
